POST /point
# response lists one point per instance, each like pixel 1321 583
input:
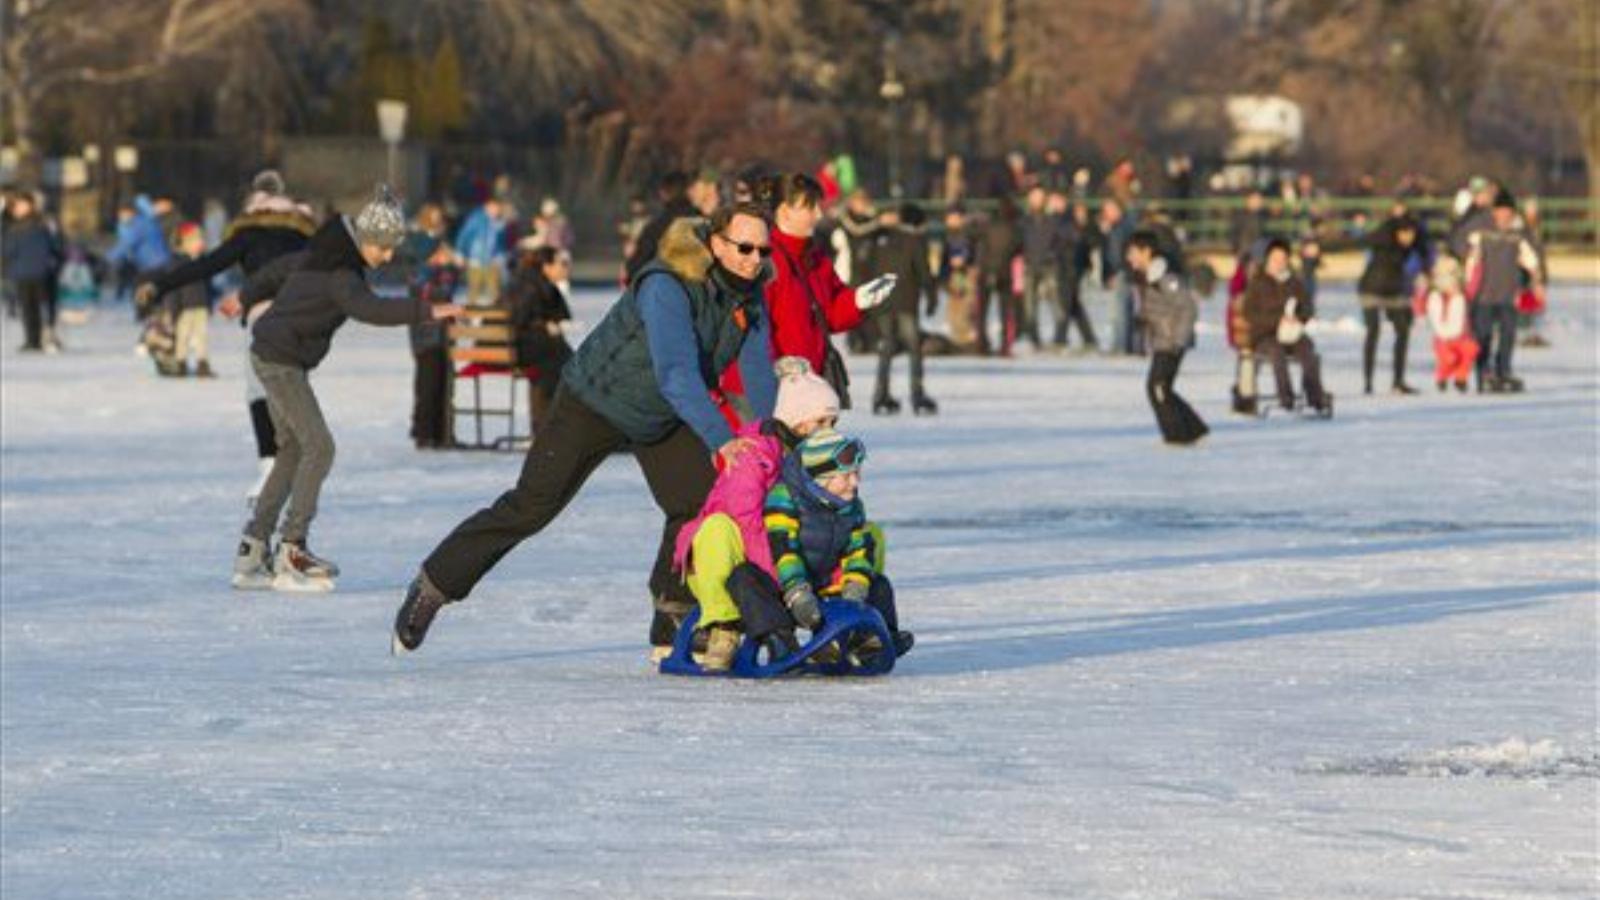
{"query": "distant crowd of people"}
pixel 1031 254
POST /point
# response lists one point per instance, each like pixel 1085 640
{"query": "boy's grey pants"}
pixel 305 452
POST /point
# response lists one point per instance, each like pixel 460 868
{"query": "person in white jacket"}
pixel 1454 348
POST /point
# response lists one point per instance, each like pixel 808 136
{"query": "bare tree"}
pixel 54 45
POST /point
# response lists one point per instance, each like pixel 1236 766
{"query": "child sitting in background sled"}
pixel 1454 348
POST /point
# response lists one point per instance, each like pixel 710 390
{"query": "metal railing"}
pixel 1206 222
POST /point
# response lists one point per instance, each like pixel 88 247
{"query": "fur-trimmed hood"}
pixel 684 250
pixel 263 210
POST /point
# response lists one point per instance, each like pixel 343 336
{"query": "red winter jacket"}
pixel 795 329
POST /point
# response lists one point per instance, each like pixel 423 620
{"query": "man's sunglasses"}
pixel 746 249
pixel 846 458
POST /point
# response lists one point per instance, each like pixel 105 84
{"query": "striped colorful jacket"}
pixel 815 537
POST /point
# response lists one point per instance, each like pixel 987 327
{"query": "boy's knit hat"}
pixel 827 451
pixel 802 394
pixel 381 222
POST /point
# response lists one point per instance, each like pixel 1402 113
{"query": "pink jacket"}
pixel 740 493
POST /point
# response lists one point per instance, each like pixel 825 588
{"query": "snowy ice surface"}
pixel 1308 659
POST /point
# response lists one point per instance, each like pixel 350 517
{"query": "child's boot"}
pixel 202 369
pixel 722 642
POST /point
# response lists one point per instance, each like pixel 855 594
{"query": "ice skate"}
pixel 202 369
pixel 252 569
pixel 1243 405
pixel 1323 410
pixel 297 570
pixel 1402 389
pixel 664 625
pixel 423 602
pixel 923 405
pixel 886 406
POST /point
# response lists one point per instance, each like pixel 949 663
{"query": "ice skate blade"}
pixel 396 648
pixel 290 585
pixel 252 582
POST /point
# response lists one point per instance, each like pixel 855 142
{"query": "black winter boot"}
pixel 423 602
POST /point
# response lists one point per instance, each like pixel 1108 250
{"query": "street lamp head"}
pixel 892 89
pixel 126 158
pixel 392 120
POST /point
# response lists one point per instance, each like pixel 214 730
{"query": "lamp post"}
pixel 125 159
pixel 392 128
pixel 892 91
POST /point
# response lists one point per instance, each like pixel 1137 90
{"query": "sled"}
pixel 841 621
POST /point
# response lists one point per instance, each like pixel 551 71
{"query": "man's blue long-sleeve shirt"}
pixel 675 357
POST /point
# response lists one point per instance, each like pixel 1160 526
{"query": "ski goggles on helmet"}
pixel 842 459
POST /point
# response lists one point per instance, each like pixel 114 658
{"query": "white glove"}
pixel 874 292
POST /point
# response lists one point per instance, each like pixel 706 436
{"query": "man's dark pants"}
pixel 573 443
pixel 1487 319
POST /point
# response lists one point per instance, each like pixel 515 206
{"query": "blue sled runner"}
pixel 841 623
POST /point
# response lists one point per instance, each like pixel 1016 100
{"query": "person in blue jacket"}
pixel 141 242
pixel 481 242
pixel 642 381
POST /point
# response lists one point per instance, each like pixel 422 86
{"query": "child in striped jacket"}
pixel 822 543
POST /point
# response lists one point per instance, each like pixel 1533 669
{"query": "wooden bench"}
pixel 481 346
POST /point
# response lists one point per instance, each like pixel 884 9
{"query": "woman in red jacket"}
pixel 806 300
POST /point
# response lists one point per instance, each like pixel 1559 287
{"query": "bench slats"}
pixel 494 355
pixel 498 333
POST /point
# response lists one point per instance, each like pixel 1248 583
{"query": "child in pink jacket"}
pixel 729 530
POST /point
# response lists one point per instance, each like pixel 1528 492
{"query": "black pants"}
pixel 261 424
pixel 1277 354
pixel 574 442
pixel 547 354
pixel 1487 320
pixel 997 286
pixel 33 296
pixel 898 332
pixel 761 608
pixel 430 398
pixel 1072 295
pixel 1401 318
pixel 1178 421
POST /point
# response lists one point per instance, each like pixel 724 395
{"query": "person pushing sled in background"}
pixel 783 542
